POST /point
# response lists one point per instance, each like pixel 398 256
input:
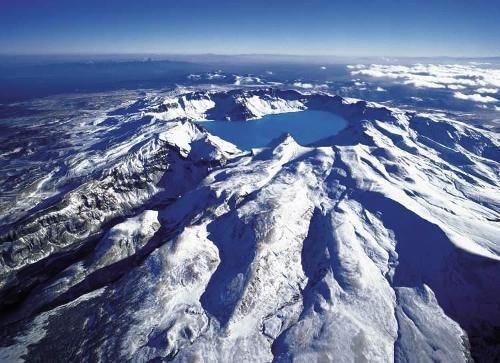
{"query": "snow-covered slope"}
pixel 378 244
pixel 238 105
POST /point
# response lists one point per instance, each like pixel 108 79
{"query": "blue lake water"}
pixel 306 127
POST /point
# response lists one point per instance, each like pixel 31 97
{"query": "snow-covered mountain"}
pixel 378 244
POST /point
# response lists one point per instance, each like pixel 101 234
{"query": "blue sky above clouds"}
pixel 323 27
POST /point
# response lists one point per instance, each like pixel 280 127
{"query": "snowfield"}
pixel 380 245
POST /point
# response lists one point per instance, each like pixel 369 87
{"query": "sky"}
pixel 463 28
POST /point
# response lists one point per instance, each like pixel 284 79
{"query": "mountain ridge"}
pixel 378 243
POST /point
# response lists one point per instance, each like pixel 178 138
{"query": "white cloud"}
pixel 241 80
pixel 456 87
pixel 453 76
pixel 487 90
pixel 309 85
pixel 215 75
pixel 356 66
pixel 476 97
pixel 303 85
pixel 422 83
pixel 209 76
pixel 323 67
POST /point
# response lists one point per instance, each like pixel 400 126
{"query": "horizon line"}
pixel 187 54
